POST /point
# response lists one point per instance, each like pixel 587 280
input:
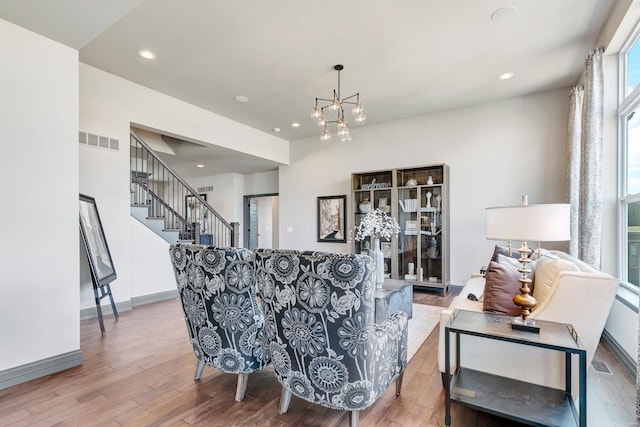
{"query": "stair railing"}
pixel 168 196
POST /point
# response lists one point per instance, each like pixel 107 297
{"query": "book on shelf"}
pixel 409 205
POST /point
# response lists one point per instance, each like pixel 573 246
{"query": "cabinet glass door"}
pixel 431 234
pixel 409 230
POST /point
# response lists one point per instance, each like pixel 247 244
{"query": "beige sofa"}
pixel 582 298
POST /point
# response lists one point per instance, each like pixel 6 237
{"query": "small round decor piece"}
pixel 412 182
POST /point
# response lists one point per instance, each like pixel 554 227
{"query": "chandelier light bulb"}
pixel 322 122
pixel 345 140
pixel 335 105
pixel 357 109
pixel 316 113
pixel 343 131
pixel 360 118
pixel 326 136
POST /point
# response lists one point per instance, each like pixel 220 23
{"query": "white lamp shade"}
pixel 529 223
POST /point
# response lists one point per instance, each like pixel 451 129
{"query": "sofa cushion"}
pixel 548 270
pixel 501 285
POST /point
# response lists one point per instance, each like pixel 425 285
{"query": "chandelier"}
pixel 335 107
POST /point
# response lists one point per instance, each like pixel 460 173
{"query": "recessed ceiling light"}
pixel 146 54
pixel 295 125
pixel 241 98
pixel 276 129
pixel 506 76
pixel 503 13
pixel 200 166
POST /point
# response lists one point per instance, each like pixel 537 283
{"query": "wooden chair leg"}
pixel 354 419
pixel 399 383
pixel 199 370
pixel 285 399
pixel 241 388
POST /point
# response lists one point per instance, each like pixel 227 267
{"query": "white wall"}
pixel 39 294
pixel 261 183
pixel 150 250
pixel 496 153
pixel 622 325
pixel 109 105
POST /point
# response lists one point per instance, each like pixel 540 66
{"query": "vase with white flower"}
pixel 376 225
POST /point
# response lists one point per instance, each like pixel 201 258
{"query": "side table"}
pixel 505 396
pixel 393 295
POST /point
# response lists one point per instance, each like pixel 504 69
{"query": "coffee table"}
pixel 393 295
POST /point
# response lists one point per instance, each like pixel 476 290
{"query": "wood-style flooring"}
pixel 141 374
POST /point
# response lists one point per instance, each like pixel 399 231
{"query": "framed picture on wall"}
pixel 193 208
pixel 332 220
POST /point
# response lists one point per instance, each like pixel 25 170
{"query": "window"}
pixel 629 119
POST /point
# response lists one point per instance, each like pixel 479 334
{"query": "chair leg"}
pixel 199 370
pixel 354 419
pixel 241 388
pixel 399 383
pixel 285 399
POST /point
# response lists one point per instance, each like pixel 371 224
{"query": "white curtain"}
pixel 585 162
pixel 573 168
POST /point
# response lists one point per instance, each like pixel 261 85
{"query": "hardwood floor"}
pixel 141 374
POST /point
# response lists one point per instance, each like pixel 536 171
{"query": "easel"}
pixel 105 291
pixel 98 255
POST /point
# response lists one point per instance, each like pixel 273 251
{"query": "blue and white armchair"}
pixel 225 324
pixel 324 344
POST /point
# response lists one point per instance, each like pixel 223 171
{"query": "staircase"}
pixel 168 206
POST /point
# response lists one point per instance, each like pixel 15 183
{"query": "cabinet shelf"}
pixel 418 198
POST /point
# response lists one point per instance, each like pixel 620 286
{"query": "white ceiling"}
pixel 405 58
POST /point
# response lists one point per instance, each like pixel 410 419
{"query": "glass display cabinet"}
pixel 418 198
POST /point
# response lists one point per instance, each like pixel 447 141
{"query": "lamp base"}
pixel 527 325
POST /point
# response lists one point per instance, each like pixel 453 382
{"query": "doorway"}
pixel 261 220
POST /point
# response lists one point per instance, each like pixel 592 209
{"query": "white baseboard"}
pixel 160 296
pixel 92 312
pixel 40 368
pixel 620 354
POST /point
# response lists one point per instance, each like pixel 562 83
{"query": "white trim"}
pixel 92 312
pixel 157 297
pixel 626 361
pixel 40 368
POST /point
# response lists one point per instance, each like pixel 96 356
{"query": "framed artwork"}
pixel 332 220
pixel 98 253
pixel 193 208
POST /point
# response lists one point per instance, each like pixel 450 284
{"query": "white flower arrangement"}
pixel 377 224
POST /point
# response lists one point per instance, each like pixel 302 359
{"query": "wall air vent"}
pixel 98 141
pixel 205 189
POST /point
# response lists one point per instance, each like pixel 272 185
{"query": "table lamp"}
pixel 527 223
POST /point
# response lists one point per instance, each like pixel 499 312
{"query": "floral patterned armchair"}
pixel 225 324
pixel 324 344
